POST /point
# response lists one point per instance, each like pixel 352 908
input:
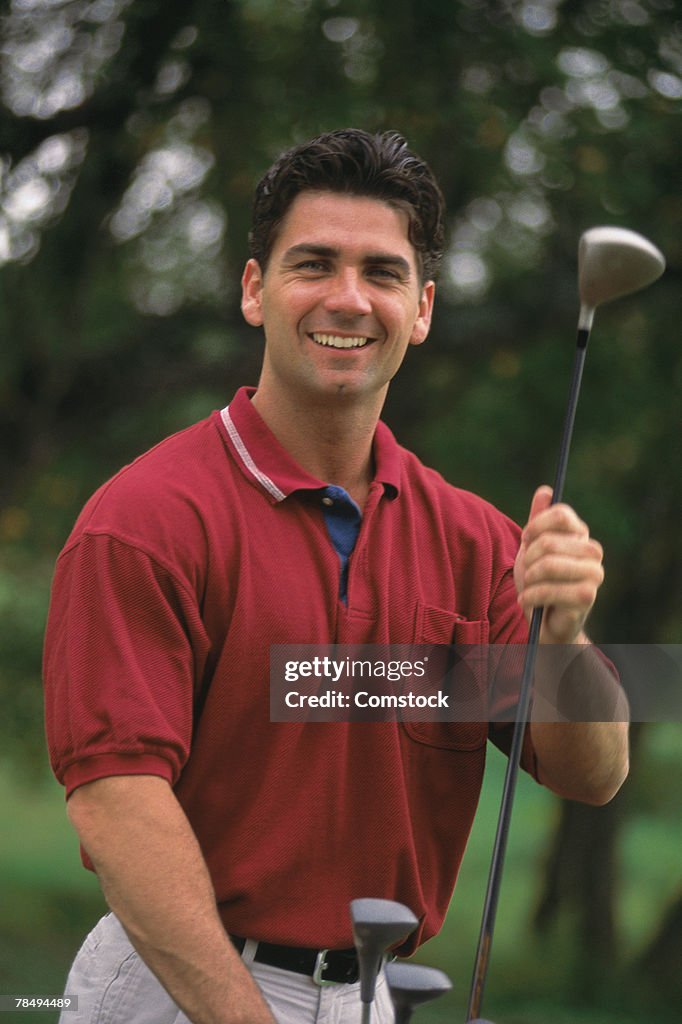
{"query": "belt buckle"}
pixel 320 967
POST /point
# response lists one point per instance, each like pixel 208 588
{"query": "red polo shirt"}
pixel 181 572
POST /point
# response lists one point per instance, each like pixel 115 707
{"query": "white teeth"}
pixel 335 341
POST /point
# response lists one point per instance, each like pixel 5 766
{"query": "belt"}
pixel 324 966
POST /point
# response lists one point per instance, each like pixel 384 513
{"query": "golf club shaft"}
pixel 574 392
pixel 502 834
pixel 366 1013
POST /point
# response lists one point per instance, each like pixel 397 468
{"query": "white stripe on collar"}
pixel 244 455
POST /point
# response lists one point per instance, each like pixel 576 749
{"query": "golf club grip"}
pixel 513 764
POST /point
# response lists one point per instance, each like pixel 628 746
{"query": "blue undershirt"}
pixel 342 518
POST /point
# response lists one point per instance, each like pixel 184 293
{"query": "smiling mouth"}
pixel 337 341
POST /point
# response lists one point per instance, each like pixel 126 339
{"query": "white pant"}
pixel 114 986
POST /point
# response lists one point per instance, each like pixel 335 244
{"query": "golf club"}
pixel 377 925
pixel 612 262
pixel 412 984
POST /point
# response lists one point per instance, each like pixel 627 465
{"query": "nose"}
pixel 347 294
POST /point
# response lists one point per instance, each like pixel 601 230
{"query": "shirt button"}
pixel 328 502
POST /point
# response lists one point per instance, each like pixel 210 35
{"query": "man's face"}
pixel 341 298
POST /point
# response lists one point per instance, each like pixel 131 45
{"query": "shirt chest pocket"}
pixel 437 626
pixel 443 629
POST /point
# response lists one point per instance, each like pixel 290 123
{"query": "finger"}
pixel 575 596
pixel 553 546
pixel 555 519
pixel 542 499
pixel 558 569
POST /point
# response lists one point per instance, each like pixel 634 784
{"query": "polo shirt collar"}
pixel 263 460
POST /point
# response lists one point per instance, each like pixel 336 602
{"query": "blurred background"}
pixel 132 135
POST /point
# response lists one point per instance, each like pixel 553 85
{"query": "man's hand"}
pixel 558 567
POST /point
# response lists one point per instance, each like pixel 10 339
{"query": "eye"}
pixel 313 266
pixel 384 273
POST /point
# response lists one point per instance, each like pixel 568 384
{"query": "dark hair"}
pixel 353 162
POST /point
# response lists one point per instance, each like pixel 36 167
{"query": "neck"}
pixel 330 440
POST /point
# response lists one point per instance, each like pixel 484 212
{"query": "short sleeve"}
pixel 124 646
pixel 507 622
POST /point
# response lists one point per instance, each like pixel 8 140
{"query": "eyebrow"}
pixel 330 252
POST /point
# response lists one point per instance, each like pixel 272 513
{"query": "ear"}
pixel 422 324
pixel 252 294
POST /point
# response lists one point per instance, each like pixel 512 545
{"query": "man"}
pixel 293 517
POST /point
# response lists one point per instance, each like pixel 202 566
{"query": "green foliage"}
pixel 47 901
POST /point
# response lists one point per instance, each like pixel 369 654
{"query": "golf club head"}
pixel 412 984
pixel 613 262
pixel 377 925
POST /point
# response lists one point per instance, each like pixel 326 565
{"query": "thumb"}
pixel 542 499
